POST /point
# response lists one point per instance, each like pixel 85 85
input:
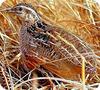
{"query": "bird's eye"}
pixel 20 9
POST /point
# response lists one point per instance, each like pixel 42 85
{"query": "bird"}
pixel 49 46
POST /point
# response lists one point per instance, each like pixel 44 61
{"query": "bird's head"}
pixel 25 11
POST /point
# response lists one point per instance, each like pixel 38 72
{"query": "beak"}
pixel 7 10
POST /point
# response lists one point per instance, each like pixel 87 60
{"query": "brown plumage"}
pixel 42 44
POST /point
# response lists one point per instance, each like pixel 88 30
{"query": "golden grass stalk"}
pixel 80 17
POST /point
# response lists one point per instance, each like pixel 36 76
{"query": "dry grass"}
pixel 81 17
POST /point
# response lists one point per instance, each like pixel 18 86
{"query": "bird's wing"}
pixel 59 51
pixel 61 45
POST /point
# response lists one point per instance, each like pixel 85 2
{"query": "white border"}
pixel 1 1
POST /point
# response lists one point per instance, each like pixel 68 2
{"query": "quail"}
pixel 46 45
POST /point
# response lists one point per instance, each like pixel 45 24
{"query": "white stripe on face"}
pixel 33 12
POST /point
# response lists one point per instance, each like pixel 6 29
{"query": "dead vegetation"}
pixel 81 17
